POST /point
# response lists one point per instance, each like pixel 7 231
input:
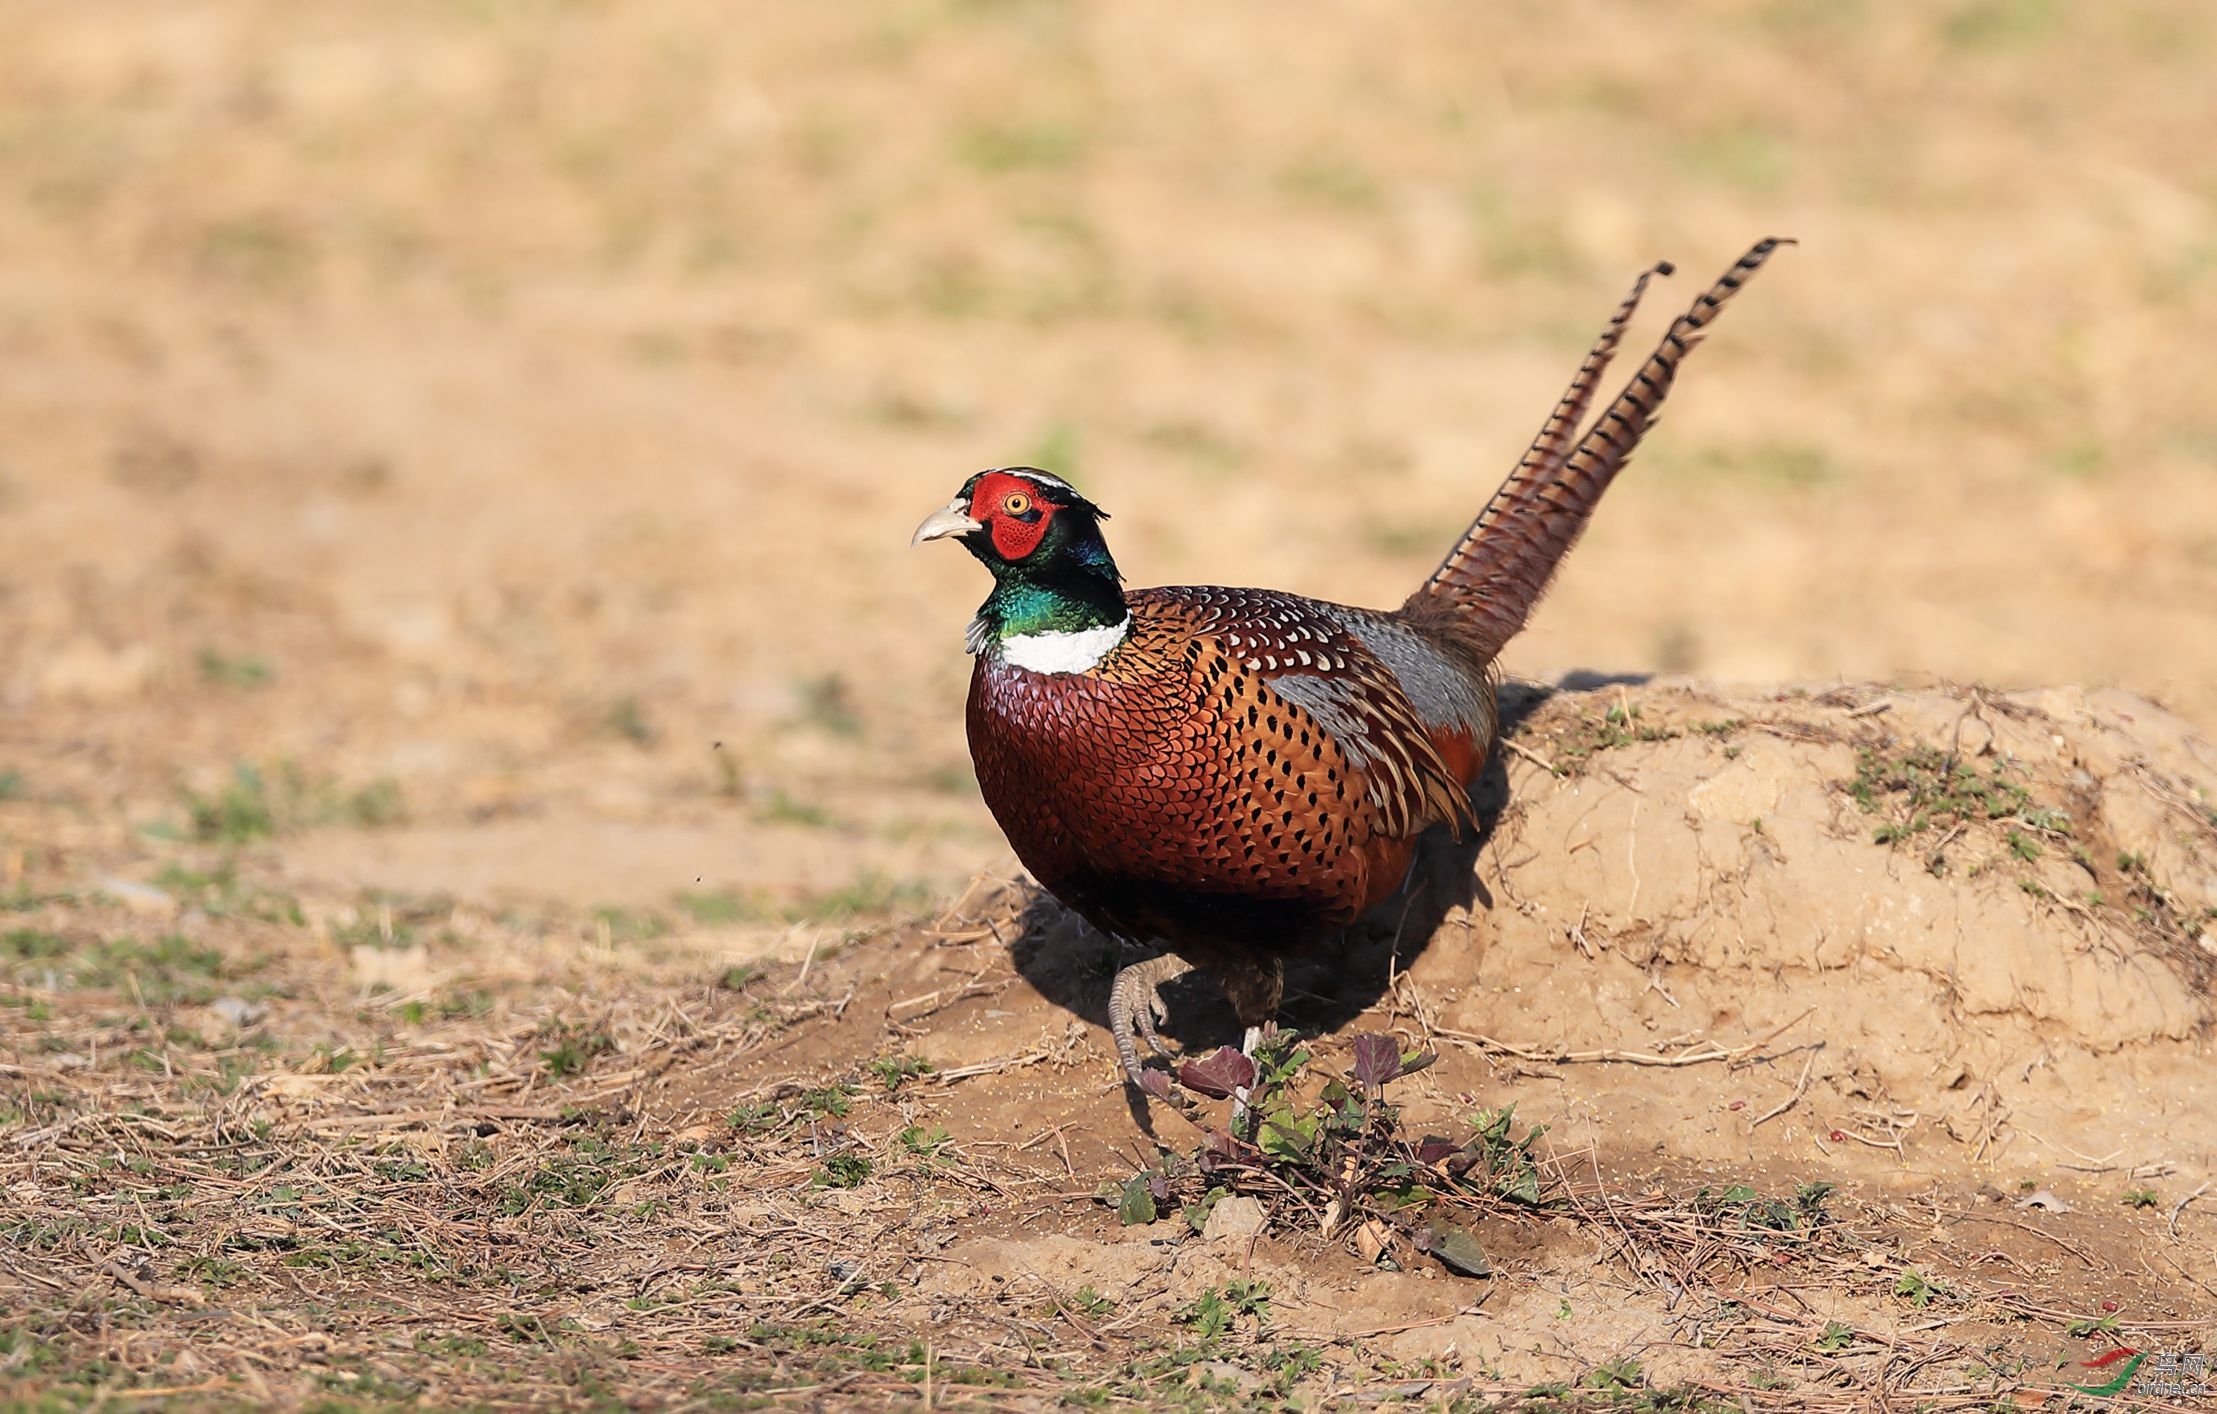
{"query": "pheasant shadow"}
pixel 1072 965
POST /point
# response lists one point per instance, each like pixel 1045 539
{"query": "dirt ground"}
pixel 484 822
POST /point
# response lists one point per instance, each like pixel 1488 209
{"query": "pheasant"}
pixel 1237 774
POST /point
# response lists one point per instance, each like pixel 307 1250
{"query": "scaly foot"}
pixel 1136 1005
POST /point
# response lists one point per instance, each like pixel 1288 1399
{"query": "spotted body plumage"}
pixel 1235 774
pixel 1243 768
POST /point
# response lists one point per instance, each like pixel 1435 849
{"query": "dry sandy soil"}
pixel 483 812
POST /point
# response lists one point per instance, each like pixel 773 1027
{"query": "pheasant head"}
pixel 1056 597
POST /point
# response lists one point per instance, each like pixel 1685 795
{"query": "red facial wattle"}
pixel 1015 533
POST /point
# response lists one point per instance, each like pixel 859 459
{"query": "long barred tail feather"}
pixel 1500 568
pixel 1558 436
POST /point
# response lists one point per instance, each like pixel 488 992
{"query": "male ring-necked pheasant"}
pixel 1235 774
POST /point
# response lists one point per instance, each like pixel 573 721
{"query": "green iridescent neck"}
pixel 1022 606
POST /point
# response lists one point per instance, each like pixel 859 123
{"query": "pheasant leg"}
pixel 1135 1005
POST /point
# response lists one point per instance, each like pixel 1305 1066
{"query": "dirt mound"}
pixel 1978 903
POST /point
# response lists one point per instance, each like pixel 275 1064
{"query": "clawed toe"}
pixel 1136 1007
pixel 1150 1014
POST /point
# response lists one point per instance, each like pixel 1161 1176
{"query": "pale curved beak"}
pixel 950 519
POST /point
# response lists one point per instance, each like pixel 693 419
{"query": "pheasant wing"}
pixel 1301 680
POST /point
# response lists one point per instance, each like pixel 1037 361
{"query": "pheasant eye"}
pixel 1016 503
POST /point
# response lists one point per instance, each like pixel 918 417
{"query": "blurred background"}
pixel 470 448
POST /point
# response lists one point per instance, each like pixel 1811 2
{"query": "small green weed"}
pixel 870 895
pixel 628 925
pixel 240 813
pixel 1934 786
pixel 757 1117
pixel 894 1071
pixel 257 804
pixel 626 719
pixel 243 672
pixel 740 977
pixel 1918 1289
pixel 574 1049
pixel 720 908
pixel 1621 1373
pixel 1213 1314
pixel 828 704
pixel 924 1144
pixel 779 808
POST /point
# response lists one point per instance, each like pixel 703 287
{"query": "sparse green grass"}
pixel 575 1048
pixel 467 1004
pixel 1058 451
pixel 1981 26
pixel 1783 466
pixel 616 924
pixel 1618 725
pixel 578 1178
pixel 255 804
pixel 870 895
pixel 626 719
pixel 1923 788
pixel 1199 443
pixel 779 808
pixel 827 703
pixel 1008 145
pixel 720 908
pixel 240 672
pixel 170 969
pixel 1746 155
pixel 263 253
pixel 238 813
pixel 1331 183
pixel 220 893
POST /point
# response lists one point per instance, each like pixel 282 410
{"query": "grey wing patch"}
pixel 1336 703
pixel 1408 785
pixel 1442 694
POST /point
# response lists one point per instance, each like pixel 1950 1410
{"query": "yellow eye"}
pixel 1016 503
